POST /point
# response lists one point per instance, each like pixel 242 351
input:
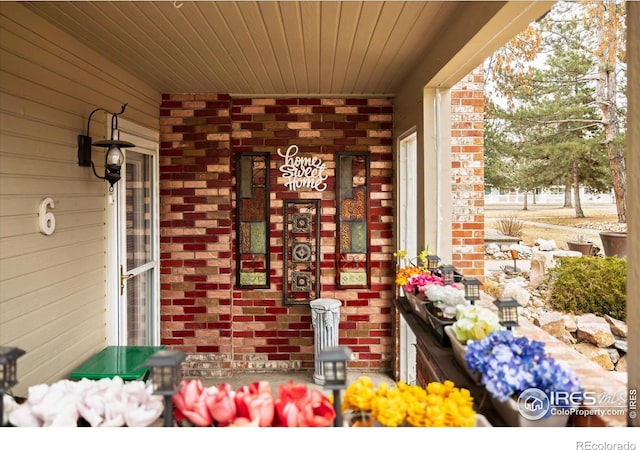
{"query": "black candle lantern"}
pixel 507 312
pixel 334 362
pixel 471 289
pixel 8 373
pixel 448 273
pixel 432 262
pixel 166 376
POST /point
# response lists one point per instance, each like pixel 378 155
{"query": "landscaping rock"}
pixel 596 354
pixel 545 246
pixel 553 323
pixel 622 364
pixel 613 354
pixel 492 249
pixel 618 327
pixel 594 329
pixel 621 344
pixel 515 290
pixel 570 323
pixel 499 255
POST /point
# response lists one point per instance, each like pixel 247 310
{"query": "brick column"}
pixel 467 160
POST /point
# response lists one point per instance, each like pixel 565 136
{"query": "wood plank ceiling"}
pixel 268 47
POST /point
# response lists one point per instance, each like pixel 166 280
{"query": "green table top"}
pixel 122 361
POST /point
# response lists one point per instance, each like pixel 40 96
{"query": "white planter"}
pixel 459 350
pixel 508 410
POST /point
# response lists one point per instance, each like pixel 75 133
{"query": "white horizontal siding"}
pixel 53 294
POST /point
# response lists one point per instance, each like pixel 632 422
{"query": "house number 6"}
pixel 46 219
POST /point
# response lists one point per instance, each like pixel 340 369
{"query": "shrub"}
pixel 510 226
pixel 590 285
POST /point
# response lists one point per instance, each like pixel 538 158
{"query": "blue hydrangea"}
pixel 509 364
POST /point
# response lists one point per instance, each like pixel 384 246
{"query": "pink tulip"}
pixel 291 392
pixel 191 403
pixel 256 401
pixel 287 414
pixel 316 411
pixel 244 422
pixel 222 405
pixel 298 406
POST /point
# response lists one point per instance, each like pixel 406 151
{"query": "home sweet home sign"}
pixel 302 171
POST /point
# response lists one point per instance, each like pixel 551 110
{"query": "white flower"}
pixel 105 402
pixel 445 298
pixel 9 404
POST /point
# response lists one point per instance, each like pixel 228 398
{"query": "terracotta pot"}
pixel 582 247
pixel 614 243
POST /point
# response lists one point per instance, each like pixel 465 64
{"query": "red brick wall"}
pixel 224 329
pixel 467 159
pixel 195 228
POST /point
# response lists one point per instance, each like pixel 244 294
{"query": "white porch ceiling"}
pixel 291 47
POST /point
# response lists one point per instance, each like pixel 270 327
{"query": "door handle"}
pixel 123 277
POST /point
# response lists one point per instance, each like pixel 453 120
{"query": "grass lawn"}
pixel 553 215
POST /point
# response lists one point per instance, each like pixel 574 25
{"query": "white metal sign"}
pixel 302 171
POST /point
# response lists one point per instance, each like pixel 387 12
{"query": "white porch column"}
pixel 436 164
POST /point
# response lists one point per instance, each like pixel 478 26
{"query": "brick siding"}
pixel 224 329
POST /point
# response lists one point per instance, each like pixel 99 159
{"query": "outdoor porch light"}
pixel 448 273
pixel 165 376
pixel 8 373
pixel 471 289
pixel 432 262
pixel 507 312
pixel 114 157
pixel 334 362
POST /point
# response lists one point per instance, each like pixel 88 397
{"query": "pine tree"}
pixel 557 122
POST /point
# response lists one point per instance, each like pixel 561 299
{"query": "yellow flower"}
pixel 359 394
pixel 437 405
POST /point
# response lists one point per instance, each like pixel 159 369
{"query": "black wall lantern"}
pixel 114 157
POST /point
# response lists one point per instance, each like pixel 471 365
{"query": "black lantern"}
pixel 507 312
pixel 166 376
pixel 432 262
pixel 334 363
pixel 471 289
pixel 8 373
pixel 448 273
pixel 114 157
